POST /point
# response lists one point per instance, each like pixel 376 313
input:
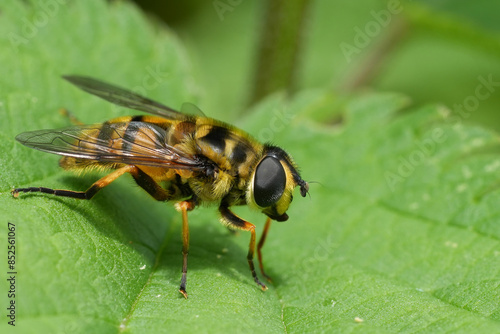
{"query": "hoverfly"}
pixel 174 156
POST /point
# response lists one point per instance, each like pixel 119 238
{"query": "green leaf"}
pixel 400 234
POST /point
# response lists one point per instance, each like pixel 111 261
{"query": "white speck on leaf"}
pixel 466 172
pixel 451 244
pixel 492 167
pixel 477 142
pixel 461 188
pixel 444 112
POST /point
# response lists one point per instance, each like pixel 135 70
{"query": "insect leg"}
pixel 154 189
pixel 184 207
pixel 259 247
pixel 72 118
pixel 147 183
pixel 98 185
pixel 233 220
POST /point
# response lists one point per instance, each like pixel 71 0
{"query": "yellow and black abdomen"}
pixel 131 136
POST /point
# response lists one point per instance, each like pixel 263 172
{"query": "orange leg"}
pixel 259 247
pixel 184 207
pixel 72 118
pixel 237 222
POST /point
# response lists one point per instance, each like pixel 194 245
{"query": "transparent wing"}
pixel 123 97
pixel 134 143
pixel 191 109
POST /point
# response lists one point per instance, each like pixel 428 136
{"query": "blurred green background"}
pixel 431 50
pixel 423 255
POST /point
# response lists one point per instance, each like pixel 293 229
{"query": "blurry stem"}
pixel 279 46
pixel 371 65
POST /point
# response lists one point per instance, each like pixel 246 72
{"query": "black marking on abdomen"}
pixel 239 153
pixel 131 133
pixel 105 132
pixel 216 138
pixel 139 118
pixel 161 136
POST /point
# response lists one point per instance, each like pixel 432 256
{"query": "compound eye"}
pixel 269 182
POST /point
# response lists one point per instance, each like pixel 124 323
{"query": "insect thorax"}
pixel 235 155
